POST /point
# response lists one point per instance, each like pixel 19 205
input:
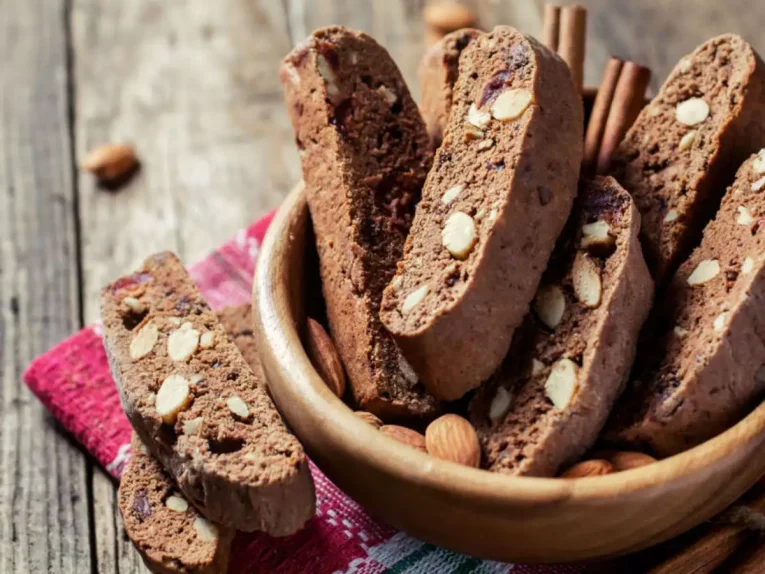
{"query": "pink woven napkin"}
pixel 73 381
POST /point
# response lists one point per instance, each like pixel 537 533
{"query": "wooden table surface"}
pixel 193 83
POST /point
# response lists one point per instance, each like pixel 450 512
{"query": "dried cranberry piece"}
pixel 493 87
pixel 141 504
pixel 130 281
pixel 516 57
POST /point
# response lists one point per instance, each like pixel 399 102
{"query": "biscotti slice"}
pixel 198 407
pixel 168 532
pixel 685 146
pixel 238 323
pixel 437 73
pixel 705 364
pixel 571 358
pixel 496 199
pixel 365 154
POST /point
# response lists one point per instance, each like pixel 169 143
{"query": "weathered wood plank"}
pixel 194 86
pixel 43 488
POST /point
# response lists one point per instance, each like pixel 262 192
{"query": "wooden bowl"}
pixel 485 514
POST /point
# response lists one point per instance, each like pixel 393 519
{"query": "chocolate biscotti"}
pixel 168 532
pixel 238 322
pixel 438 73
pixel 570 359
pixel 496 199
pixel 685 146
pixel 706 361
pixel 198 407
pixel 365 154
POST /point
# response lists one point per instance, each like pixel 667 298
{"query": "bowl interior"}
pixel 469 510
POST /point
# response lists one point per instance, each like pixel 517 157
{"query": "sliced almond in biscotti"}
pixel 365 154
pixel 202 411
pixel 515 198
pixel 685 146
pixel 565 375
pixel 438 73
pixel 704 362
pixel 162 525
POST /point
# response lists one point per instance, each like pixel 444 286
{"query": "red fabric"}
pixel 73 381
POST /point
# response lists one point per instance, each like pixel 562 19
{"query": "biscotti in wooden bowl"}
pixel 517 323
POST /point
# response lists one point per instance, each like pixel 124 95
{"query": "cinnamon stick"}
pixel 628 100
pixel 551 26
pixel 571 40
pixel 597 124
pixel 715 546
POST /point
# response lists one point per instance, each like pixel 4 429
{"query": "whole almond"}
pixel 450 437
pixel 405 435
pixel 324 357
pixel 110 162
pixel 369 418
pixel 448 16
pixel 625 460
pixel 595 467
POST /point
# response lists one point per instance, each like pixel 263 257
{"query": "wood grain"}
pixel 43 489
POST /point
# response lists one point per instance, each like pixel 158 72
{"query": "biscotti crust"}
pixel 167 531
pixel 224 443
pixel 705 362
pixel 238 323
pixel 453 314
pixel 676 161
pixel 365 154
pixel 437 73
pixel 536 436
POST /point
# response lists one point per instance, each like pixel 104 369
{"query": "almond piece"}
pixel 595 467
pixel 452 193
pixel 183 342
pixel 705 271
pixel 323 355
pixel 586 279
pixel 405 435
pixel 191 426
pixel 747 265
pixel 237 406
pixel 110 162
pixel 671 216
pixel 177 503
pixel 206 530
pixel 500 404
pixel 758 165
pixel 510 104
pixel 744 216
pixel 692 111
pixel 207 339
pixel 549 305
pixel 597 236
pixel 369 418
pixel 478 118
pixel 562 384
pixel 625 460
pixel 687 141
pixel 328 74
pixel 459 235
pixel 172 398
pixel 719 322
pixel 144 341
pixel 451 437
pixel 414 298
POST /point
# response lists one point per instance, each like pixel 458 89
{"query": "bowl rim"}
pixel 494 491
